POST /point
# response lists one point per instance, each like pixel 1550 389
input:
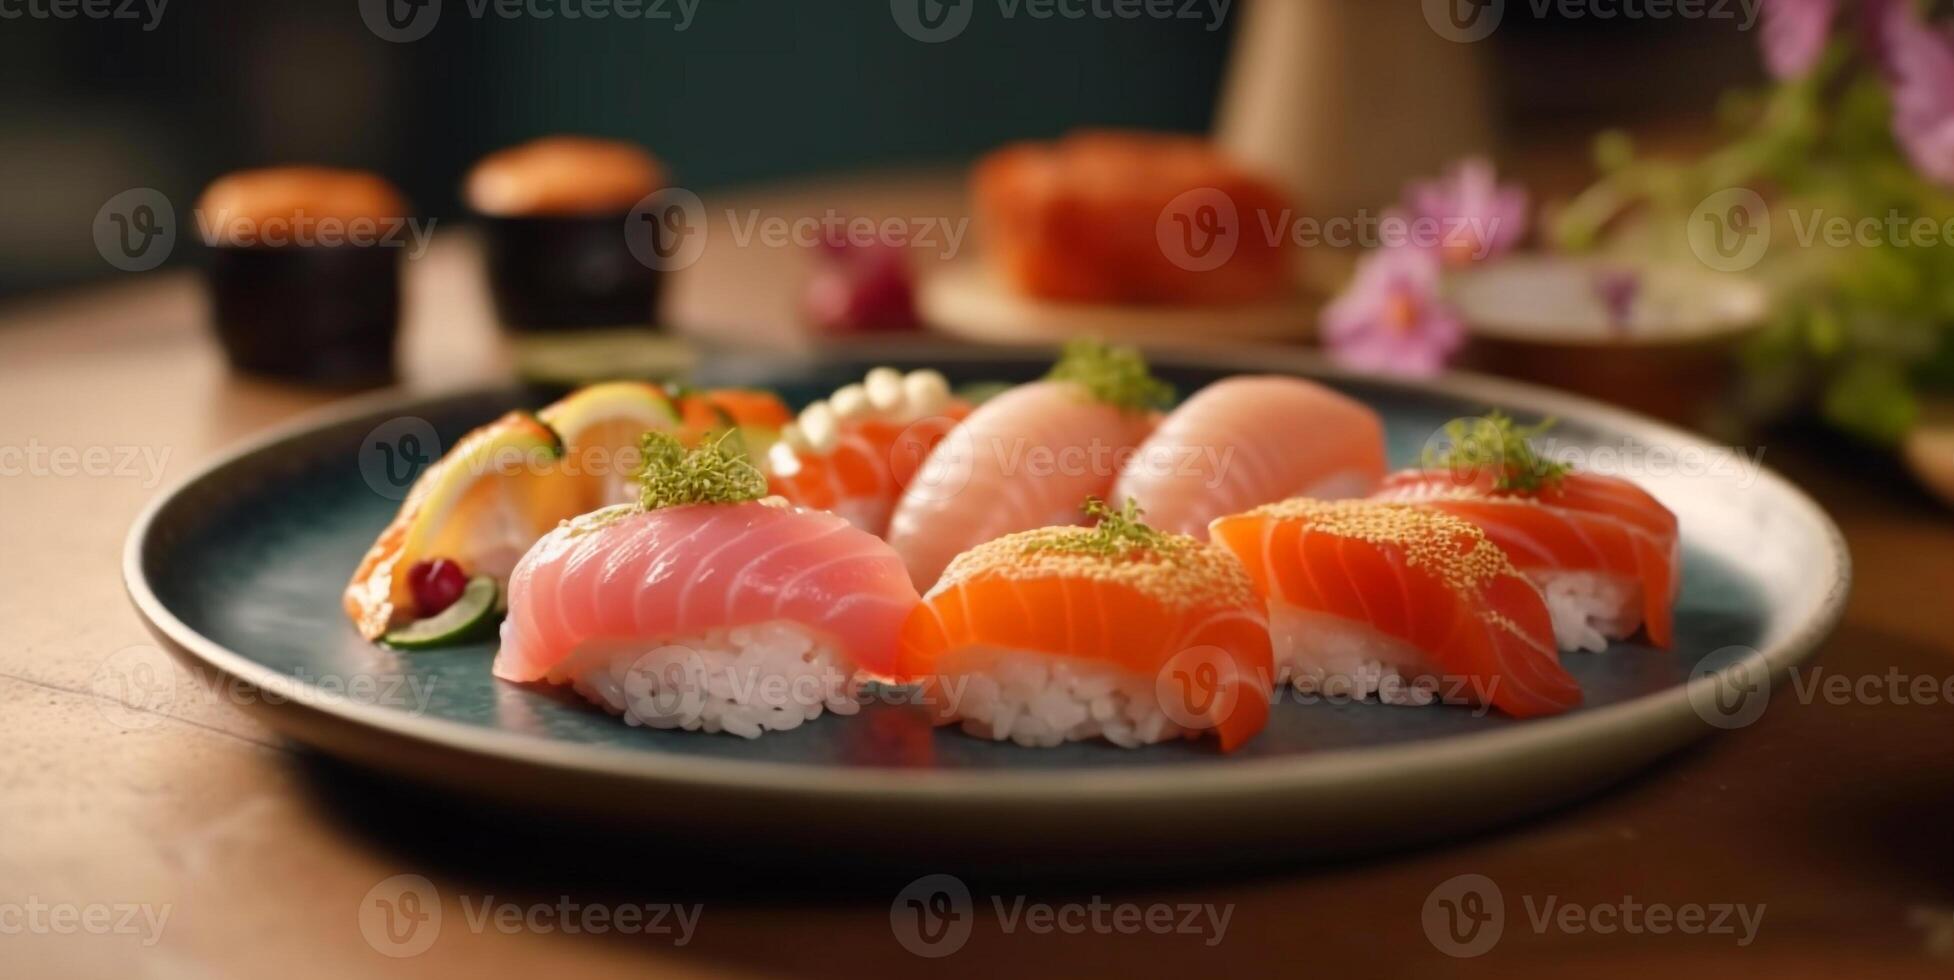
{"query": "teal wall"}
pixel 751 90
pixel 758 89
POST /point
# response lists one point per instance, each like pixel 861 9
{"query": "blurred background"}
pixel 1746 205
pixel 744 91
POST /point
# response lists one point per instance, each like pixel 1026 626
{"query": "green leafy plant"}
pixel 1860 260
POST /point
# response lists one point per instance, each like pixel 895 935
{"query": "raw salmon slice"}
pixel 1409 589
pixel 1604 551
pixel 1041 637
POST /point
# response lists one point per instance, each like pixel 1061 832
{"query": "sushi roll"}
pixel 1117 631
pixel 854 452
pixel 554 212
pixel 1602 550
pixel 1025 458
pixel 705 607
pixel 1400 601
pixel 304 272
pixel 1253 440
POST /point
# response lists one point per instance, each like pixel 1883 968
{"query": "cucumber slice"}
pixel 467 619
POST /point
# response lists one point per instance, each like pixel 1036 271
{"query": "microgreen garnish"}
pixel 1117 376
pixel 717 472
pixel 1497 444
pixel 1118 534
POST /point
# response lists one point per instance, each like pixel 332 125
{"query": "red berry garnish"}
pixel 437 584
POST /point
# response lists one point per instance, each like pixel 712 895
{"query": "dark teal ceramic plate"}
pixel 242 566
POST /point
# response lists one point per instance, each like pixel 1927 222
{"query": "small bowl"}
pixel 1928 449
pixel 1660 339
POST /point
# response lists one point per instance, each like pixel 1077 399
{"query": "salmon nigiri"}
pixel 1400 601
pixel 855 452
pixel 1025 458
pixel 703 606
pixel 1118 632
pixel 1253 440
pixel 1602 550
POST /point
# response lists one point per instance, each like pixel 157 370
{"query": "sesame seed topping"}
pixel 1187 574
pixel 1450 548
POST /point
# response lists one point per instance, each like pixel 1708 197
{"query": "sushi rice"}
pixel 1343 660
pixel 743 680
pixel 1589 607
pixel 1401 601
pixel 1037 700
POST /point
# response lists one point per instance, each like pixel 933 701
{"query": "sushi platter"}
pixel 932 600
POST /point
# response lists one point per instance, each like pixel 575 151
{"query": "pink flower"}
pixel 1472 216
pixel 1795 34
pixel 1618 289
pixel 1391 319
pixel 1921 58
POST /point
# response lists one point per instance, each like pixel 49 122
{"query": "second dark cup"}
pixel 553 215
pixel 567 272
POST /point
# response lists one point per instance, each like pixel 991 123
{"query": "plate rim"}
pixel 1668 709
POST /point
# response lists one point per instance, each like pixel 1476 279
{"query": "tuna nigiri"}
pixel 1405 602
pixel 855 452
pixel 1025 458
pixel 1070 633
pixel 1252 440
pixel 1602 550
pixel 704 607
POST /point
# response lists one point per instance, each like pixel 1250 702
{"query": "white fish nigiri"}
pixel 1248 441
pixel 1027 458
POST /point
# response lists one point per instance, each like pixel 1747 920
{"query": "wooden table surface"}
pixel 253 858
